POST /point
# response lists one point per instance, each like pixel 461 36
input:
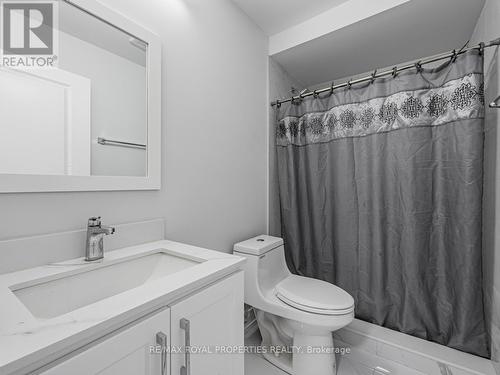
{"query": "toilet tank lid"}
pixel 258 245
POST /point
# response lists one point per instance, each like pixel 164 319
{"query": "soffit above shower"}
pixel 289 23
pixel 407 32
pixel 277 15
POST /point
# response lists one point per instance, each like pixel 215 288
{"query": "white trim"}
pixel 268 153
pixel 15 183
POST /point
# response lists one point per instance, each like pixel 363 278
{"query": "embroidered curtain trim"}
pixel 457 100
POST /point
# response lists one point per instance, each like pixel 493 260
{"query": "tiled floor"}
pixel 256 365
pixel 357 363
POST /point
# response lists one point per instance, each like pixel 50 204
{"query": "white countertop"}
pixel 26 341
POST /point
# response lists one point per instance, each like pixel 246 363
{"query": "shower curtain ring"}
pixel 374 75
pixel 418 66
pixel 315 94
pixel 454 57
pixel 278 103
pixel 394 72
pixel 331 87
pixel 349 84
pixel 481 48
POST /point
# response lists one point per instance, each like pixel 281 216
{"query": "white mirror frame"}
pixel 16 183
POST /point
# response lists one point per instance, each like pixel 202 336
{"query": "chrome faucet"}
pixel 94 249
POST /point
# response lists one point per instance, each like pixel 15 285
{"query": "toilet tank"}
pixel 265 266
pixel 258 245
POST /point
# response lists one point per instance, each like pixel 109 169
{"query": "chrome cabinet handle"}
pixel 185 325
pixel 161 340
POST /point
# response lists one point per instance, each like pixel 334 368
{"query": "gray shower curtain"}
pixel 380 192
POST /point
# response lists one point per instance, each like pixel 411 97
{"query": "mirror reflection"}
pixel 87 116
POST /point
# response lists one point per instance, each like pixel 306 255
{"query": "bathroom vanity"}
pixel 133 313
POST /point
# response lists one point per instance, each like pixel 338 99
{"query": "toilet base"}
pixel 315 356
pixel 307 363
pixel 280 363
pixel 308 351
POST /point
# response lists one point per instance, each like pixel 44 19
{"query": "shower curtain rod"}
pixel 394 71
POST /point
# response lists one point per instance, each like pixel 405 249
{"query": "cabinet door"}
pixel 127 353
pixel 211 323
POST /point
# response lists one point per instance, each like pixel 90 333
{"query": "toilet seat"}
pixel 314 296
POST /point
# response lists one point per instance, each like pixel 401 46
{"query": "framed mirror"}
pixel 86 114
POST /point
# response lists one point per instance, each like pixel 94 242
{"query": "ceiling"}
pixel 274 16
pixel 407 32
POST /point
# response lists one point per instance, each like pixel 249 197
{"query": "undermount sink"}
pixel 49 299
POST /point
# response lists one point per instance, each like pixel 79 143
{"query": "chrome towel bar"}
pixel 110 142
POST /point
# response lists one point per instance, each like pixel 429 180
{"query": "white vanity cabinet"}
pixel 126 353
pixel 212 322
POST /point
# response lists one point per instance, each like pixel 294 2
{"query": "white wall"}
pixel 488 28
pixel 280 84
pixel 214 125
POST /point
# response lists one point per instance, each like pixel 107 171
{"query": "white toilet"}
pixel 292 311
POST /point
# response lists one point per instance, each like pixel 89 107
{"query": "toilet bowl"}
pixel 296 315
